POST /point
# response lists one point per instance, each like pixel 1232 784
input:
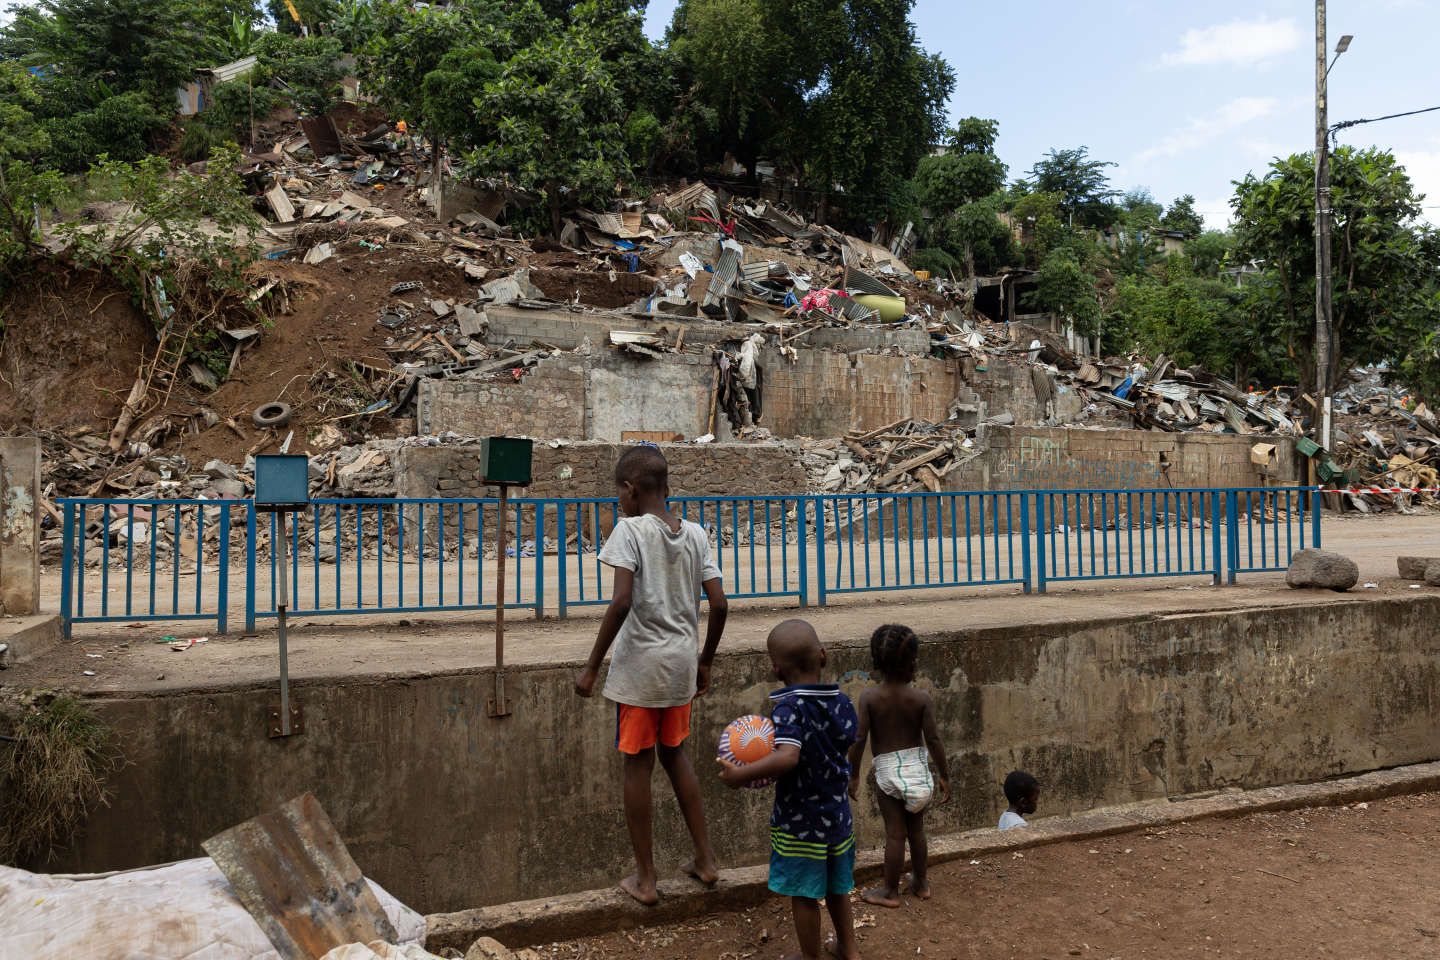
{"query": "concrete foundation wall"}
pixel 19 525
pixel 587 469
pixel 1024 458
pixel 449 809
pixel 822 394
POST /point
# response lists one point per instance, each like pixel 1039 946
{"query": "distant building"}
pixel 196 95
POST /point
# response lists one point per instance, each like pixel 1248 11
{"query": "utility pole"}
pixel 1323 346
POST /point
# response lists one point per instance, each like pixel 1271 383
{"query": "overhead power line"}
pixel 1346 124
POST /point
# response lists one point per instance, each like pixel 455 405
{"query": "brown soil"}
pixel 334 307
pixel 72 342
pixel 1352 882
pixel 595 289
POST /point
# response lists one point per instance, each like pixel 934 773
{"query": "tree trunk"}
pixel 552 194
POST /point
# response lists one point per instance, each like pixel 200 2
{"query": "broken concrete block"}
pixel 1413 568
pixel 228 489
pixel 487 948
pixel 1321 569
pixel 217 469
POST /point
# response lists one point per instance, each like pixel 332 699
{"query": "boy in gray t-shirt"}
pixel 661 564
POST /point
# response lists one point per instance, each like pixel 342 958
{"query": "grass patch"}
pixel 52 773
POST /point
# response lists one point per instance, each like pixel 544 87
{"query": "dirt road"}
pixel 1355 882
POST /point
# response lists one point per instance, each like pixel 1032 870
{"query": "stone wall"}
pixel 449 809
pixel 548 402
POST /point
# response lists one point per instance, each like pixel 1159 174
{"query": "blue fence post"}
pixel 539 560
pixel 819 549
pixel 250 565
pixel 561 582
pixel 67 570
pixel 1315 517
pixel 1215 557
pixel 801 547
pixel 1024 538
pixel 1232 534
pixel 1040 527
pixel 222 600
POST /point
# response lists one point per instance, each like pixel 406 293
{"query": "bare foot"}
pixel 832 948
pixel 881 897
pixel 921 891
pixel 643 893
pixel 706 874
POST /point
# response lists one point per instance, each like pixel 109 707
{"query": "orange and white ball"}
pixel 747 740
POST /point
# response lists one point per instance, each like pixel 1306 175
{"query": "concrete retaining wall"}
pixel 19 525
pixel 450 809
pixel 1029 458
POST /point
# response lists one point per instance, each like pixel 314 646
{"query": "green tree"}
pixel 1209 253
pixel 1087 198
pixel 878 105
pixel 145 46
pixel 23 187
pixel 967 171
pixel 1183 218
pixel 984 240
pixel 557 120
pixel 1066 287
pixel 1138 210
pixel 308 67
pixel 313 14
pixel 1383 267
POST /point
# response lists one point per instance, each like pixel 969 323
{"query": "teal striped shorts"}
pixel 800 868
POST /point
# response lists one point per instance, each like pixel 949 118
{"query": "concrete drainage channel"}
pixel 594 912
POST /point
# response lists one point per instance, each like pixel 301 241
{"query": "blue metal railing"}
pixel 168 538
pixel 172 559
pixel 870 542
pixel 395 556
pixel 749 536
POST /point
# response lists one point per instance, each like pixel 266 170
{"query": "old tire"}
pixel 272 416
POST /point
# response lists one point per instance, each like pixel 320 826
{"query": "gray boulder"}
pixel 1321 569
pixel 1413 568
pixel 1432 573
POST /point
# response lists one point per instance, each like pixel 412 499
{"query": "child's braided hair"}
pixel 894 649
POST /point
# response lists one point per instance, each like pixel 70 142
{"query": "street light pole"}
pixel 1324 308
pixel 1322 231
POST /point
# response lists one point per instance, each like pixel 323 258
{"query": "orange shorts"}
pixel 638 729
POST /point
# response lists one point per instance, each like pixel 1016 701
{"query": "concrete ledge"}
pixel 593 912
pixel 25 638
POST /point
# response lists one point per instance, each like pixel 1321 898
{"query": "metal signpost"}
pixel 504 462
pixel 282 487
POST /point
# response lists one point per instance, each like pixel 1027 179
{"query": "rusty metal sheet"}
pixel 292 872
pixel 324 138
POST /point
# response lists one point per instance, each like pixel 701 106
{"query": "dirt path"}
pixel 1355 882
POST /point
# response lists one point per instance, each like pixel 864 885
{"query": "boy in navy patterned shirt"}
pixel 812 839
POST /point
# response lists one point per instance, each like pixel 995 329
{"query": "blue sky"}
pixel 1184 97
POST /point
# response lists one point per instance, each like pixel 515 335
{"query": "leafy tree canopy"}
pixel 1082 183
pixel 1182 217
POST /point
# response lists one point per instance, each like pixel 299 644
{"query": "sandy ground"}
pixel 1361 881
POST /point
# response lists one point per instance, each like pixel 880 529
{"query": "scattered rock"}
pixel 487 948
pixel 1322 569
pixel 228 489
pixel 217 469
pixel 1432 573
pixel 1413 568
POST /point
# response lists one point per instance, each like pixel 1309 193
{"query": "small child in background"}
pixel 1023 792
pixel 812 839
pixel 899 721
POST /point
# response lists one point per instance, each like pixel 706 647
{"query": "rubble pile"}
pixel 905 456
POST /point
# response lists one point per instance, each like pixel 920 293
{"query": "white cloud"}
pixel 1239 42
pixel 1202 130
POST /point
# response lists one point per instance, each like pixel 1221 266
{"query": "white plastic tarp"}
pixel 179 911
